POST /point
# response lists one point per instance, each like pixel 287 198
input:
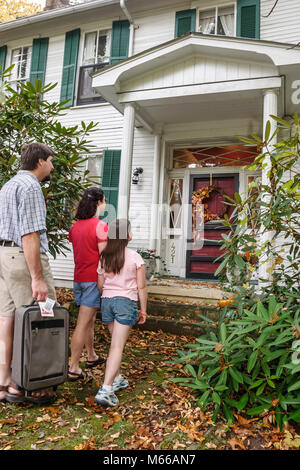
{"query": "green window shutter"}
pixel 39 59
pixel 248 19
pixel 119 41
pixel 185 22
pixel 3 51
pixel 110 180
pixel 69 67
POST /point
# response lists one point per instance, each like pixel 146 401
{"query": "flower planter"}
pixel 150 265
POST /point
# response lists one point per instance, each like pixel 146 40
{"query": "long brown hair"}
pixel 113 256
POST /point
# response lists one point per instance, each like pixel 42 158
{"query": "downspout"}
pixel 131 29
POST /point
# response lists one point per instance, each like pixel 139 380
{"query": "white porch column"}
pixel 270 107
pixel 155 192
pixel 126 161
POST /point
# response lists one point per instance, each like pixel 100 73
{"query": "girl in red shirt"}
pixel 88 237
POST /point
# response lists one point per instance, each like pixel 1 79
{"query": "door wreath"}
pixel 200 205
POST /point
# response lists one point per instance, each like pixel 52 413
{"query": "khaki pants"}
pixel 15 280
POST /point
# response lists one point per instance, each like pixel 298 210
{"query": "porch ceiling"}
pixel 210 107
pixel 196 78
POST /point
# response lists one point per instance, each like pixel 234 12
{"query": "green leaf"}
pixel 223 333
pixel 216 398
pixel 239 261
pixel 243 402
pixel 281 121
pixel 267 131
pixel 228 414
pixel 258 410
pixel 190 369
pixel 236 375
pixel 220 388
pixel 294 386
pixel 252 360
pixel 203 399
pixel 237 198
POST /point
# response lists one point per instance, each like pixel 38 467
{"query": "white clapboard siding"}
pixel 199 69
pixel 141 194
pixel 283 23
pixel 62 268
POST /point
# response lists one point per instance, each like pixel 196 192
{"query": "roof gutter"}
pixel 132 26
pixel 57 13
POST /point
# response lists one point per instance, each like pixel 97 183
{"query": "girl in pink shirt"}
pixel 121 280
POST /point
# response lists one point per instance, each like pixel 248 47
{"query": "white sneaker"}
pixel 106 398
pixel 119 384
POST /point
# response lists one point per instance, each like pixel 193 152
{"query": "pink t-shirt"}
pixel 123 284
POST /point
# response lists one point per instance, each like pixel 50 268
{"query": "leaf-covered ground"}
pixel 153 412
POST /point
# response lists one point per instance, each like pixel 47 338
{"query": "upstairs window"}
pixel 21 58
pixel 218 20
pixel 96 55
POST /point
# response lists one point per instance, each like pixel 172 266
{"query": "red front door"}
pixel 201 261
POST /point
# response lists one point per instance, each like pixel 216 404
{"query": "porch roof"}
pixel 169 82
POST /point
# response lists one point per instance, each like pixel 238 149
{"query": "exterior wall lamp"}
pixel 136 175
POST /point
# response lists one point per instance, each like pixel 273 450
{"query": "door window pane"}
pixel 175 203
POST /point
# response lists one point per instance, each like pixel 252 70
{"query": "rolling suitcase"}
pixel 40 348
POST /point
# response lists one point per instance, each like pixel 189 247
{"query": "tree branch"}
pixel 272 9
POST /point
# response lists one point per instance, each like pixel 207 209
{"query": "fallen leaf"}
pixel 236 443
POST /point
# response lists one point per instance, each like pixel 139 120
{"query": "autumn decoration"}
pixel 201 212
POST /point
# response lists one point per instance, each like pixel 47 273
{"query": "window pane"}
pixel 85 90
pixel 24 70
pixel 21 71
pixel 226 21
pixel 89 52
pixel 103 55
pixel 86 94
pixel 207 23
pixel 175 202
pixel 95 167
pixel 16 56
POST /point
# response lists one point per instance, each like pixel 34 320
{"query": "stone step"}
pixel 176 327
pixel 187 294
pixel 182 311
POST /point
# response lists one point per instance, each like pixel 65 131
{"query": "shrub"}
pixel 251 362
pixel 26 116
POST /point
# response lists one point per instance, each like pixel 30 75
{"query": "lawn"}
pixel 153 412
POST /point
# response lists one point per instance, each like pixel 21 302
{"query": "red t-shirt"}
pixel 85 236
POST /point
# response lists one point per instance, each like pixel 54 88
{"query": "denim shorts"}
pixel 121 309
pixel 87 294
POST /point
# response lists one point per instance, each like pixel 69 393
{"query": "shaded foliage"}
pixel 26 116
pixel 251 362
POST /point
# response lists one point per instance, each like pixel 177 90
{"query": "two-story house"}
pixel 173 84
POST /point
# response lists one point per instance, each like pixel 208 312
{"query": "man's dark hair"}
pixel 31 153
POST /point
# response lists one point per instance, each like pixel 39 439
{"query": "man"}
pixel 25 273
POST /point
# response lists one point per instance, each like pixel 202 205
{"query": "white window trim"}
pixel 80 64
pixel 108 32
pixel 15 81
pixel 219 5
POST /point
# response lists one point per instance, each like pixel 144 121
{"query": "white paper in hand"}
pixel 47 308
